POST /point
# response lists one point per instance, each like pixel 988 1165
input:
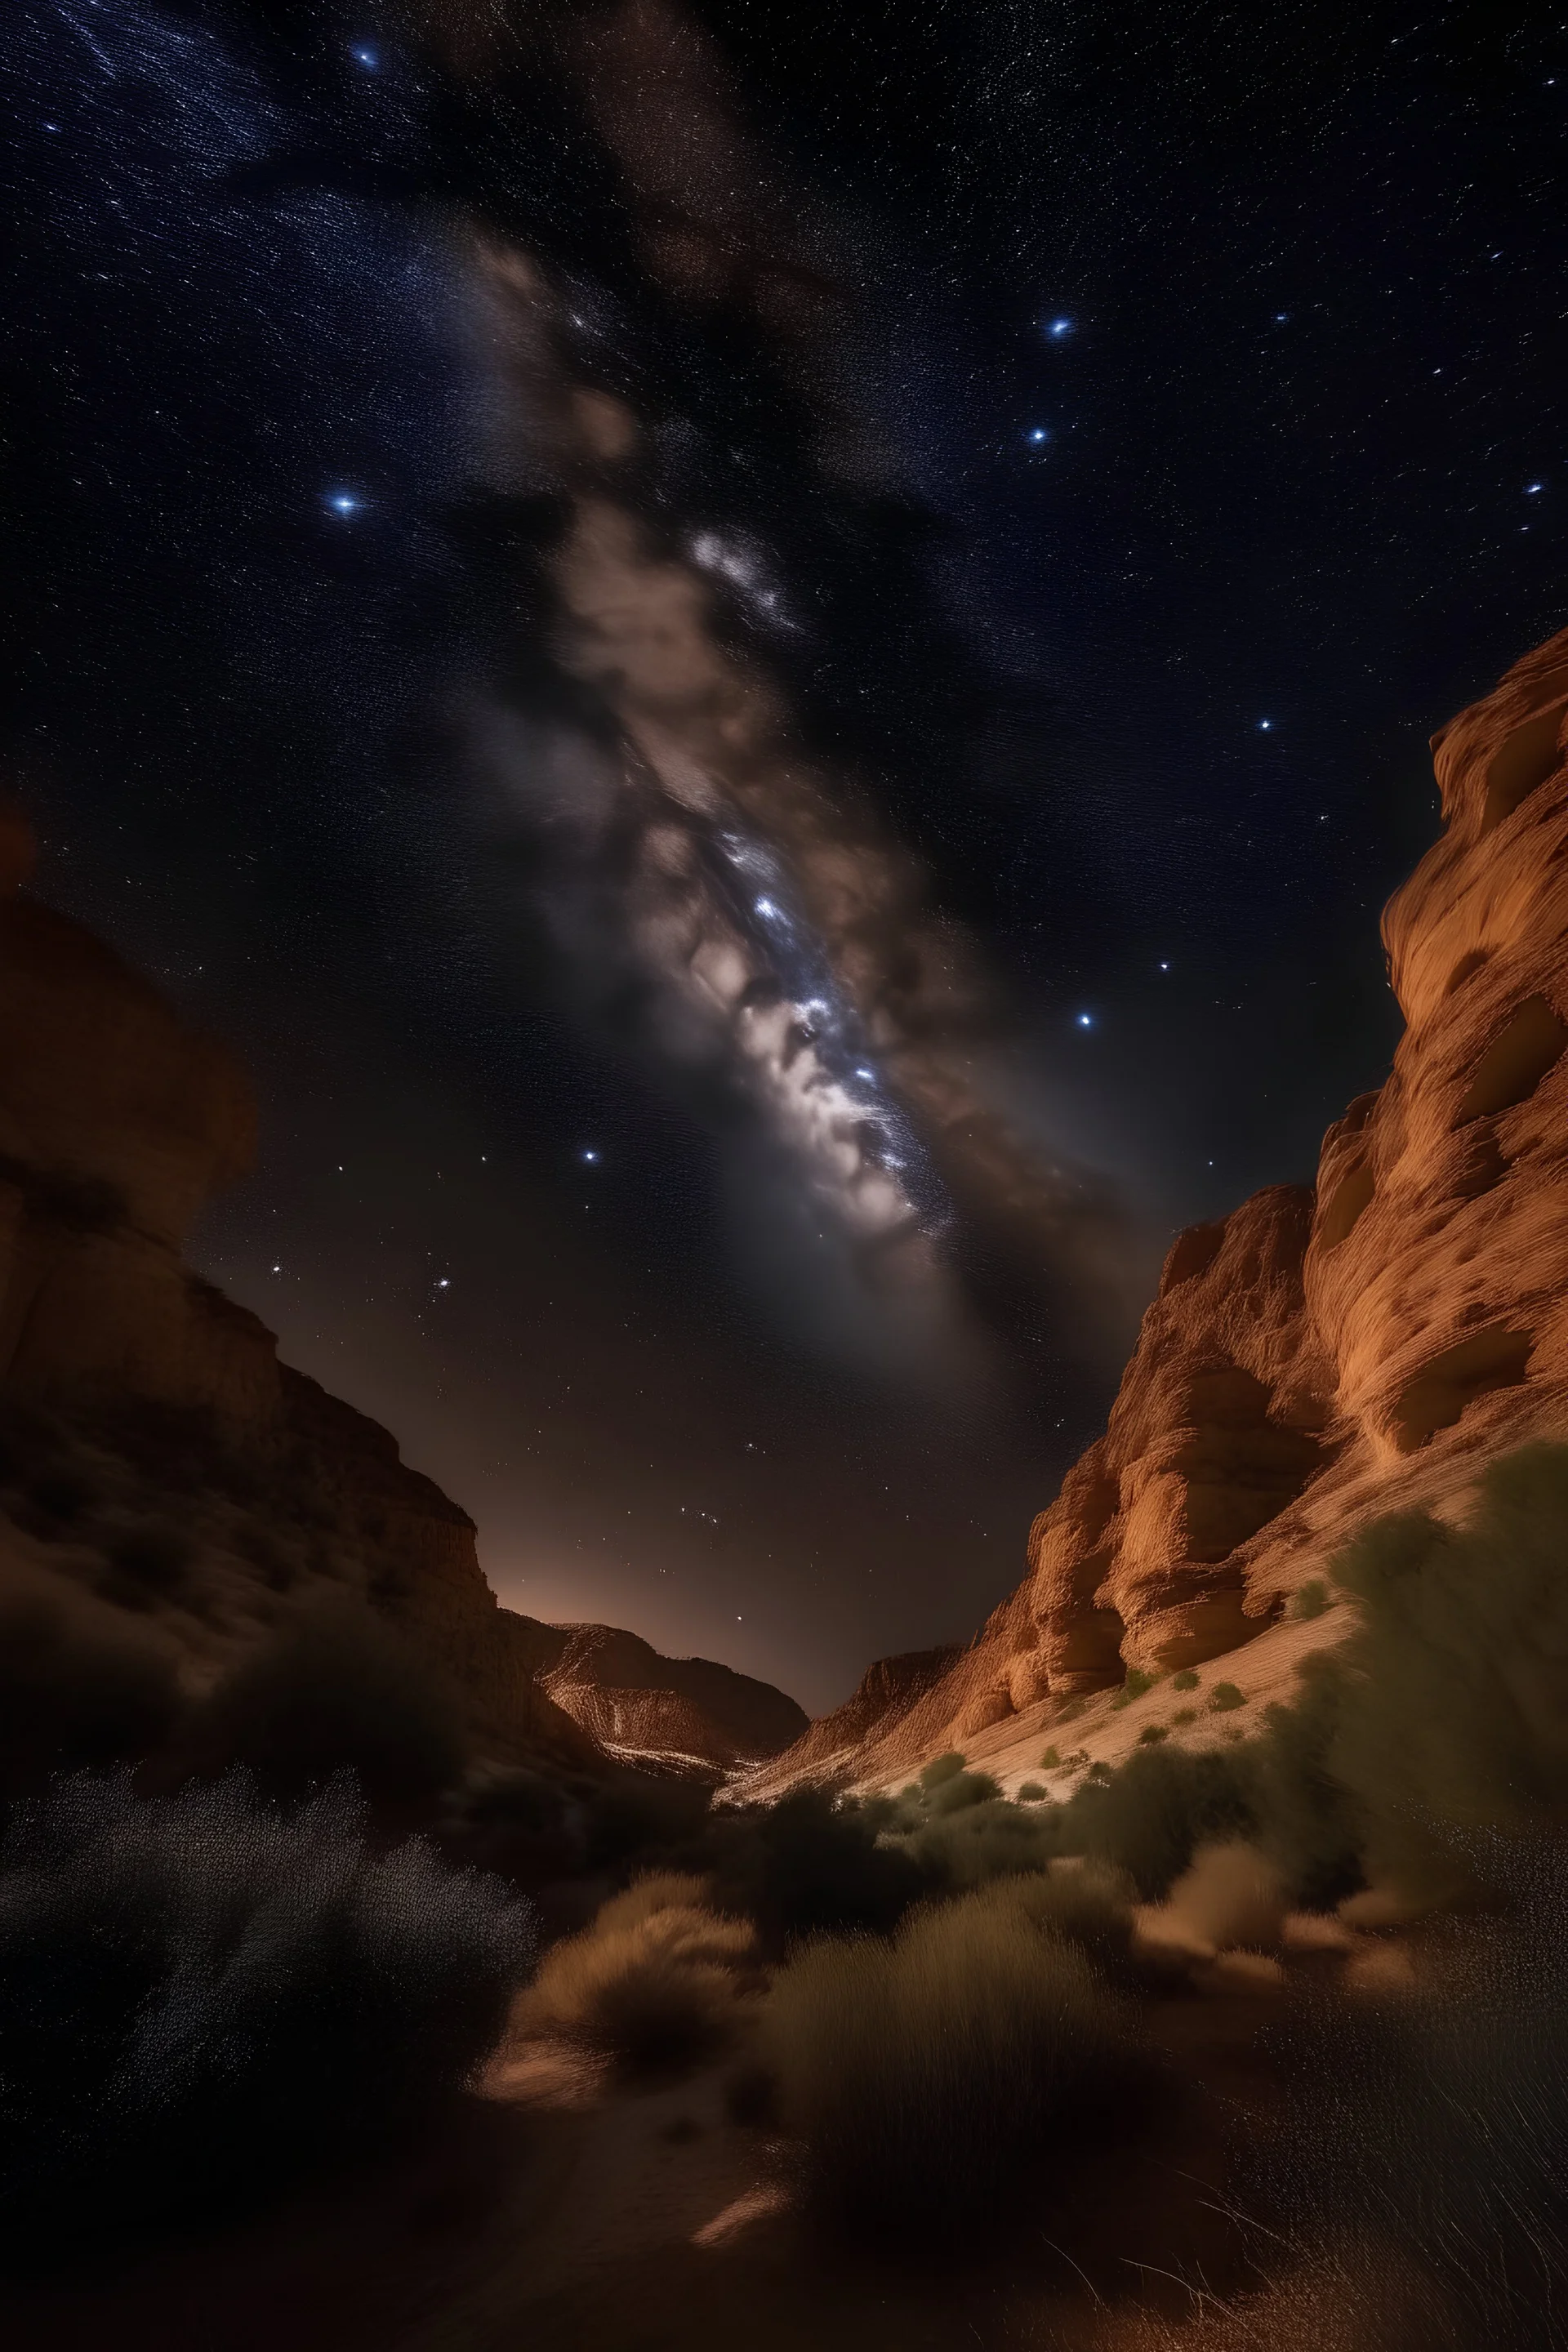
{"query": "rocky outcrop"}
pixel 145 1417
pixel 633 1702
pixel 1323 1354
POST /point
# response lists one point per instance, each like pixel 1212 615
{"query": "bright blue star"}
pixel 367 58
pixel 1061 326
pixel 766 908
pixel 1266 724
pixel 1531 488
pixel 342 502
pixel 1085 1020
pixel 1281 318
pixel 1039 433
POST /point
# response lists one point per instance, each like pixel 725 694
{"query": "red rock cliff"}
pixel 1323 1354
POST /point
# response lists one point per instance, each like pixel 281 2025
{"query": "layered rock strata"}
pixel 1322 1354
pixel 145 1416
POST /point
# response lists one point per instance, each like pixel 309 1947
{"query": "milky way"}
pixel 543 617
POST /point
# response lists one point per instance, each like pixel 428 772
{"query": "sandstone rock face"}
pixel 690 1711
pixel 141 1399
pixel 1323 1355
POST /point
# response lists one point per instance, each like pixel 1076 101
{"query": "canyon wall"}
pixel 1320 1354
pixel 146 1418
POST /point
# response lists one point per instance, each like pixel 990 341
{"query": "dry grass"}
pixel 931 2082
pixel 656 1981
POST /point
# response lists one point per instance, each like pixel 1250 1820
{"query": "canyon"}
pixel 164 1477
pixel 1323 1354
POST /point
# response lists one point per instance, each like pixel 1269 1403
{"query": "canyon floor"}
pixel 567 2212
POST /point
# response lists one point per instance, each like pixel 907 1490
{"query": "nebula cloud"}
pixel 700 853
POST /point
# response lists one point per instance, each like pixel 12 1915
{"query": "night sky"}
pixel 769 664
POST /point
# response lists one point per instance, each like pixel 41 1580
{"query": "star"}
pixel 591 1158
pixel 367 58
pixel 344 502
pixel 1531 489
pixel 1061 326
pixel 1266 724
pixel 1039 433
pixel 1085 1020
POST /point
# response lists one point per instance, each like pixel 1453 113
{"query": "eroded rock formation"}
pixel 1323 1354
pixel 148 1417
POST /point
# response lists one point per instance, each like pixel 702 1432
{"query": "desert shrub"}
pixel 654 1982
pixel 1230 1898
pixel 1308 1823
pixel 1185 1681
pixel 1183 1716
pixel 1152 1733
pixel 1457 1709
pixel 1135 1684
pixel 336 1691
pixel 636 1817
pixel 201 1993
pixel 1310 1600
pixel 1089 1906
pixel 1050 1759
pixel 523 1824
pixel 803 1868
pixel 70 1698
pixel 148 1563
pixel 959 1790
pixel 1149 1818
pixel 1032 1792
pixel 936 2084
pixel 1225 1698
pixel 979 1842
pixel 940 1768
pixel 1429 2135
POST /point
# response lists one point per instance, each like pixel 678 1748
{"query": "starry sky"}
pixel 769 665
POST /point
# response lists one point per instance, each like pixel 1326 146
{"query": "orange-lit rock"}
pixel 1319 1356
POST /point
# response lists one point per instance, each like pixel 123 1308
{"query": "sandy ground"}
pixel 564 2212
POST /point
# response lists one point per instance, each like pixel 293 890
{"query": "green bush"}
pixel 1309 1825
pixel 1149 1816
pixel 1224 1697
pixel 939 2083
pixel 959 1790
pixel 337 1691
pixel 1152 1733
pixel 1050 1761
pixel 1135 1685
pixel 1186 1681
pixel 980 1842
pixel 803 1868
pixel 200 1995
pixel 1032 1792
pixel 940 1768
pixel 1455 1717
pixel 1185 1715
pixel 1310 1600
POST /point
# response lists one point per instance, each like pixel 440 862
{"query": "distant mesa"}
pixel 1325 1353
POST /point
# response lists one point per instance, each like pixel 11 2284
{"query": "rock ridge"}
pixel 1323 1353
